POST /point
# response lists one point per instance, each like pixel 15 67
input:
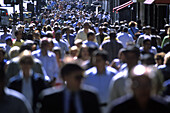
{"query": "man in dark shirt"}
pixel 141 101
pixel 71 98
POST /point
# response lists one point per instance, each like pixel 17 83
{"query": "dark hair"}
pixel 125 29
pixel 134 49
pixel 25 47
pixel 112 34
pixel 90 34
pixel 69 68
pixel 102 53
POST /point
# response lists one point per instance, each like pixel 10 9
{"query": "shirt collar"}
pixel 48 53
pixel 21 73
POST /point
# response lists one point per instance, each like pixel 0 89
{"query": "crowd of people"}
pixel 70 59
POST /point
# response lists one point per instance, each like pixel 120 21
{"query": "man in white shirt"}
pixel 125 37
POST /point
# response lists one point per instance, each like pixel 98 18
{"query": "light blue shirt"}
pixel 27 90
pixel 100 81
pixel 125 38
pixel 49 63
pixel 78 106
pixel 63 45
pixel 91 43
pixel 135 30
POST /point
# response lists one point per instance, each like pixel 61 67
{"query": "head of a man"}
pixel 58 35
pixel 18 34
pixel 72 74
pixel 99 59
pixel 132 55
pixel 90 36
pixel 26 62
pixel 44 44
pixel 141 84
pixel 86 25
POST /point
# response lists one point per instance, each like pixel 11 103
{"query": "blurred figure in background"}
pixel 142 100
pixel 159 59
pixel 47 58
pixel 29 83
pixel 12 101
pixel 112 46
pixel 100 76
pixel 165 69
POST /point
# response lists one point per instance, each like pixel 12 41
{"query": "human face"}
pixel 26 66
pixel 91 38
pixel 131 59
pixel 158 61
pixel 45 45
pixel 85 53
pixel 19 36
pixel 99 62
pixel 147 46
pixel 73 81
pixel 86 26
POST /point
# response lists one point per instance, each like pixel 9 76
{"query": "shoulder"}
pixel 36 52
pixel 97 34
pixel 80 31
pixel 51 54
pixel 110 69
pixel 120 75
pixel 64 35
pixel 37 76
pixel 72 35
pixel 119 103
pixel 14 78
pixel 87 89
pixel 37 61
pixel 91 71
pixel 159 101
pixel 50 92
pixel 17 99
pixel 14 94
pixel 162 67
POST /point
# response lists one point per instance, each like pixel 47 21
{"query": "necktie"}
pixel 72 107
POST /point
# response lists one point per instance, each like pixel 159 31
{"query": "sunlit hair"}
pixel 26 56
pixel 81 49
pixel 13 52
pixel 151 73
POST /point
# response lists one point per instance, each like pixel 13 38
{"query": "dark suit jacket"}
pixel 128 104
pixel 53 102
pixel 38 84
